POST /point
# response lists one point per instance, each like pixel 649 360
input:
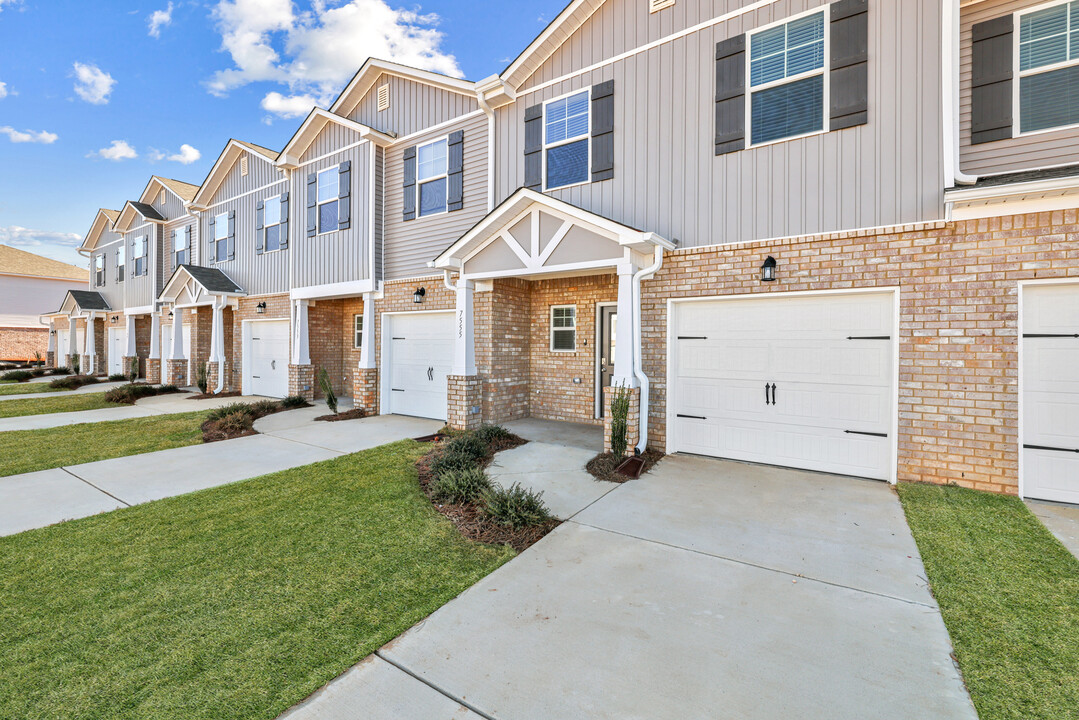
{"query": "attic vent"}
pixel 384 98
pixel 162 201
pixel 657 5
pixel 243 165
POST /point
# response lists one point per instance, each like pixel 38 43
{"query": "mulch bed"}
pixel 603 465
pixel 356 414
pixel 211 396
pixel 226 429
pixel 470 519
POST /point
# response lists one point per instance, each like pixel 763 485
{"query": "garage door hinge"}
pixel 692 417
pixel 397 338
pixel 691 337
pixel 396 390
pixel 1054 449
pixel 870 337
pixel 1050 335
pixel 869 434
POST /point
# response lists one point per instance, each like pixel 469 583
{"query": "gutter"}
pixel 490 113
pixel 950 36
pixel 638 369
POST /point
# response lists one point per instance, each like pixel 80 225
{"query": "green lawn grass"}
pixel 1009 593
pixel 235 602
pixel 46 405
pixel 26 388
pixel 29 450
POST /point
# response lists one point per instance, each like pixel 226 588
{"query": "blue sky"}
pixel 95 97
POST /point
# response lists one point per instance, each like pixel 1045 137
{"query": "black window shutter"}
pixel 189 256
pixel 849 64
pixel 991 81
pixel 455 191
pixel 344 195
pixel 211 244
pixel 232 235
pixel 731 95
pixel 603 131
pixel 312 204
pixel 260 228
pixel 284 219
pixel 409 186
pixel 534 148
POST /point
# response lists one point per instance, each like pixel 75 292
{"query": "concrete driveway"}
pixel 705 589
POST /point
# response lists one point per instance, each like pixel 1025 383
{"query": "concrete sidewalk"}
pixel 85 389
pixel 170 404
pixel 44 498
pixel 1062 520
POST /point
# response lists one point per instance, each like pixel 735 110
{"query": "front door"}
pixel 608 320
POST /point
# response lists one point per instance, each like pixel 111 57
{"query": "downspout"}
pixel 446 281
pixel 950 29
pixel 221 356
pixel 490 113
pixel 638 368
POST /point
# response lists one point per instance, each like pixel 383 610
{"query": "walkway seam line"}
pixel 436 688
pixel 759 567
pixel 95 487
pixel 301 442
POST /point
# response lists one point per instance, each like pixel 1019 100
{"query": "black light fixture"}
pixel 768 270
pixel 170 314
pixel 419 295
pixel 260 308
pixel 113 319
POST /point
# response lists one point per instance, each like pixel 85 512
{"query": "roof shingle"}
pixel 19 262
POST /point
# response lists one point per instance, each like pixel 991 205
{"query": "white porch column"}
pixel 464 357
pixel 301 351
pixel 623 350
pixel 367 335
pixel 52 336
pixel 217 334
pixel 72 338
pixel 131 352
pixel 91 345
pixel 155 336
pixel 177 335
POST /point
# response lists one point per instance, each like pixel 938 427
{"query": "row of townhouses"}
pixel 835 236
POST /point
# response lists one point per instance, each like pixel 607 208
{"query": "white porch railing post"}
pixel 91 346
pixel 464 359
pixel 367 335
pixel 623 350
pixel 177 335
pixel 301 352
pixel 131 351
pixel 155 336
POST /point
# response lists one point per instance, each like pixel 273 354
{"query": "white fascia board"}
pixel 368 75
pixel 1015 191
pixel 298 144
pixel 332 290
pixel 140 310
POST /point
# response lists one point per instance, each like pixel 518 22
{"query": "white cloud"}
pixel 159 19
pixel 93 84
pixel 314 53
pixel 117 151
pixel 30 136
pixel 186 156
pixel 56 245
pixel 12 3
pixel 3 90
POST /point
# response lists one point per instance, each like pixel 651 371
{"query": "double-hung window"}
pixel 329 188
pixel 787 80
pixel 221 237
pixel 179 246
pixel 139 256
pixel 563 328
pixel 566 141
pixel 432 180
pixel 1049 67
pixel 357 326
pixel 99 270
pixel 271 222
pixel 121 259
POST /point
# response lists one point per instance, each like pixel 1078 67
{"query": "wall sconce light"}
pixel 170 314
pixel 113 319
pixel 260 308
pixel 768 270
pixel 419 295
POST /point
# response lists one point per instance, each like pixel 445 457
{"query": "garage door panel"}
pixel 1054 474
pixel 829 407
pixel 726 399
pixel 420 357
pixel 810 318
pixel 715 360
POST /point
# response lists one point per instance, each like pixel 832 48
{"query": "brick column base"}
pixel 465 398
pixel 84 364
pixel 213 372
pixel 301 381
pixel 178 373
pixel 50 359
pixel 126 369
pixel 365 390
pixel 153 371
pixel 633 420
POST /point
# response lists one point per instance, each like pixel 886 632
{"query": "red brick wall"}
pixel 22 343
pixel 503 321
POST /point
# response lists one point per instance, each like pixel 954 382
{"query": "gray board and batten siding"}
pixel 414 106
pixel 113 291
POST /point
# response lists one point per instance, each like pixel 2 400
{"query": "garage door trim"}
pixel 1021 388
pixel 245 348
pixel 385 353
pixel 672 348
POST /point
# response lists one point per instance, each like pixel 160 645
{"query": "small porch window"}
pixel 564 328
pixel 221 236
pixel 121 259
pixel 357 324
pixel 271 221
pixel 99 270
pixel 432 179
pixel 565 141
pixel 139 256
pixel 179 246
pixel 329 188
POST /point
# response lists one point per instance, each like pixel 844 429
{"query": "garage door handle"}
pixel 273 364
pixel 767 400
pixel 867 434
pixel 431 374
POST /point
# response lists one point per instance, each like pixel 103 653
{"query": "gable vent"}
pixel 384 98
pixel 243 165
pixel 657 5
pixel 162 196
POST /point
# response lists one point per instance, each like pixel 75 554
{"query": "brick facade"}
pixel 301 381
pixel 177 370
pixel 18 343
pixel 464 399
pixel 153 371
pixel 277 308
pixel 365 390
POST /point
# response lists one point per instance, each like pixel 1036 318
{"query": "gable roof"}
pixel 208 281
pixel 19 262
pixel 133 208
pixel 223 165
pixel 105 219
pixel 572 17
pixel 184 191
pixel 368 74
pixel 314 124
pixel 83 300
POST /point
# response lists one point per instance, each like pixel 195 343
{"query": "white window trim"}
pixel 357 332
pixel 445 139
pixel 265 227
pixel 145 242
pixel 216 240
pixel 823 70
pixel 1017 105
pixel 121 254
pixel 553 328
pixel 187 245
pixel 587 136
pixel 318 204
pixel 99 272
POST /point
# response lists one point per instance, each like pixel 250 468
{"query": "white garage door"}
pixel 1051 393
pixel 419 349
pixel 803 382
pixel 166 352
pixel 117 350
pixel 266 355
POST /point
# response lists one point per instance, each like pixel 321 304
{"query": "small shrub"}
pixel 493 433
pixel 38 372
pixel 167 389
pixel 619 419
pixel 202 379
pixel 460 486
pixel 133 372
pixel 75 359
pixel 230 409
pixel 236 423
pixel 515 506
pixel 117 377
pixel 17 375
pixel 60 371
pixel 468 444
pixel 37 358
pixel 450 460
pixel 265 407
pixel 128 394
pixel 73 382
pixel 294 401
pixel 327 390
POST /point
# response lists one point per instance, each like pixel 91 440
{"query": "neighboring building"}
pixel 761 217
pixel 29 282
